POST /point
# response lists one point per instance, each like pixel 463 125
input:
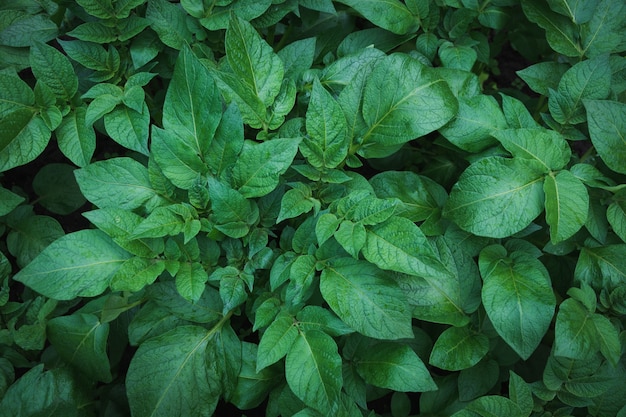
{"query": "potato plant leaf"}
pixel 517 296
pixel 78 264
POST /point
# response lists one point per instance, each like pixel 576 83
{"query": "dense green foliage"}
pixel 312 208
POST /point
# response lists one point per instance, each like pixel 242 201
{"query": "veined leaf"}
pixel 518 297
pixel 169 375
pixel 190 280
pixel 135 273
pixel 404 100
pixel 276 341
pixel 545 146
pixel 253 60
pixel 366 300
pixel 169 22
pixel 458 348
pixel 313 370
pixel 232 213
pixel 79 264
pixel 393 366
pixel 604 32
pixel 117 182
pixel 388 14
pixel 567 205
pixel 497 197
pixel 129 127
pixel 8 201
pixel 75 138
pixel 561 33
pixel 587 80
pixel 328 142
pixel 399 245
pixel 54 69
pixel 473 126
pixel 192 107
pixel 259 166
pixel 179 162
pixel 81 340
pixel 578 11
pixel 607 128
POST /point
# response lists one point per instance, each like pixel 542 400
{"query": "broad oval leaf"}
pixel 394 366
pixel 81 340
pixel 607 128
pixel 392 15
pixel 404 100
pixel 53 68
pixel 79 264
pixel 276 341
pixel 260 165
pixel 567 205
pixel 366 300
pixel 497 197
pixel 117 182
pixel 192 108
pixel 517 296
pixel 169 375
pixel 313 370
pixel 458 348
pixel 545 146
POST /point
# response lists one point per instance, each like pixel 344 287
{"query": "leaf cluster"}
pixel 312 207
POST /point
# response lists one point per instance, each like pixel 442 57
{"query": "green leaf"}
pixel 497 197
pixel 404 100
pixel 253 60
pixel 192 107
pixel 90 55
pixel 518 297
pixel 259 166
pixel 75 138
pixel 567 205
pixel 276 341
pixel 190 280
pixel 135 273
pixel 616 215
pixel 477 120
pixel 39 392
pixel 327 143
pixel 365 299
pixel 94 32
pixel 232 213
pixel 252 387
pixel 169 22
pixel 422 198
pixel 520 393
pixel 351 236
pixel 169 375
pixel 493 405
pixel 547 147
pixel 81 341
pixel 26 30
pixel 393 366
pixel 605 31
pixel 117 182
pixel 235 90
pixel 544 76
pixel 578 12
pixel 179 162
pixel 57 189
pixel 218 18
pixel 30 235
pixel 129 128
pixel 457 56
pixel 8 201
pixel 297 57
pixel 313 370
pixel 325 227
pixel 607 128
pixel 602 267
pixel 458 348
pixel 79 264
pixel 24 136
pixel 561 33
pixel 295 202
pixel 587 80
pixel 399 245
pixel 227 143
pixel 581 334
pixel 314 317
pixel 163 221
pixel 54 69
pixel 388 14
pixel 478 380
pixel 232 287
